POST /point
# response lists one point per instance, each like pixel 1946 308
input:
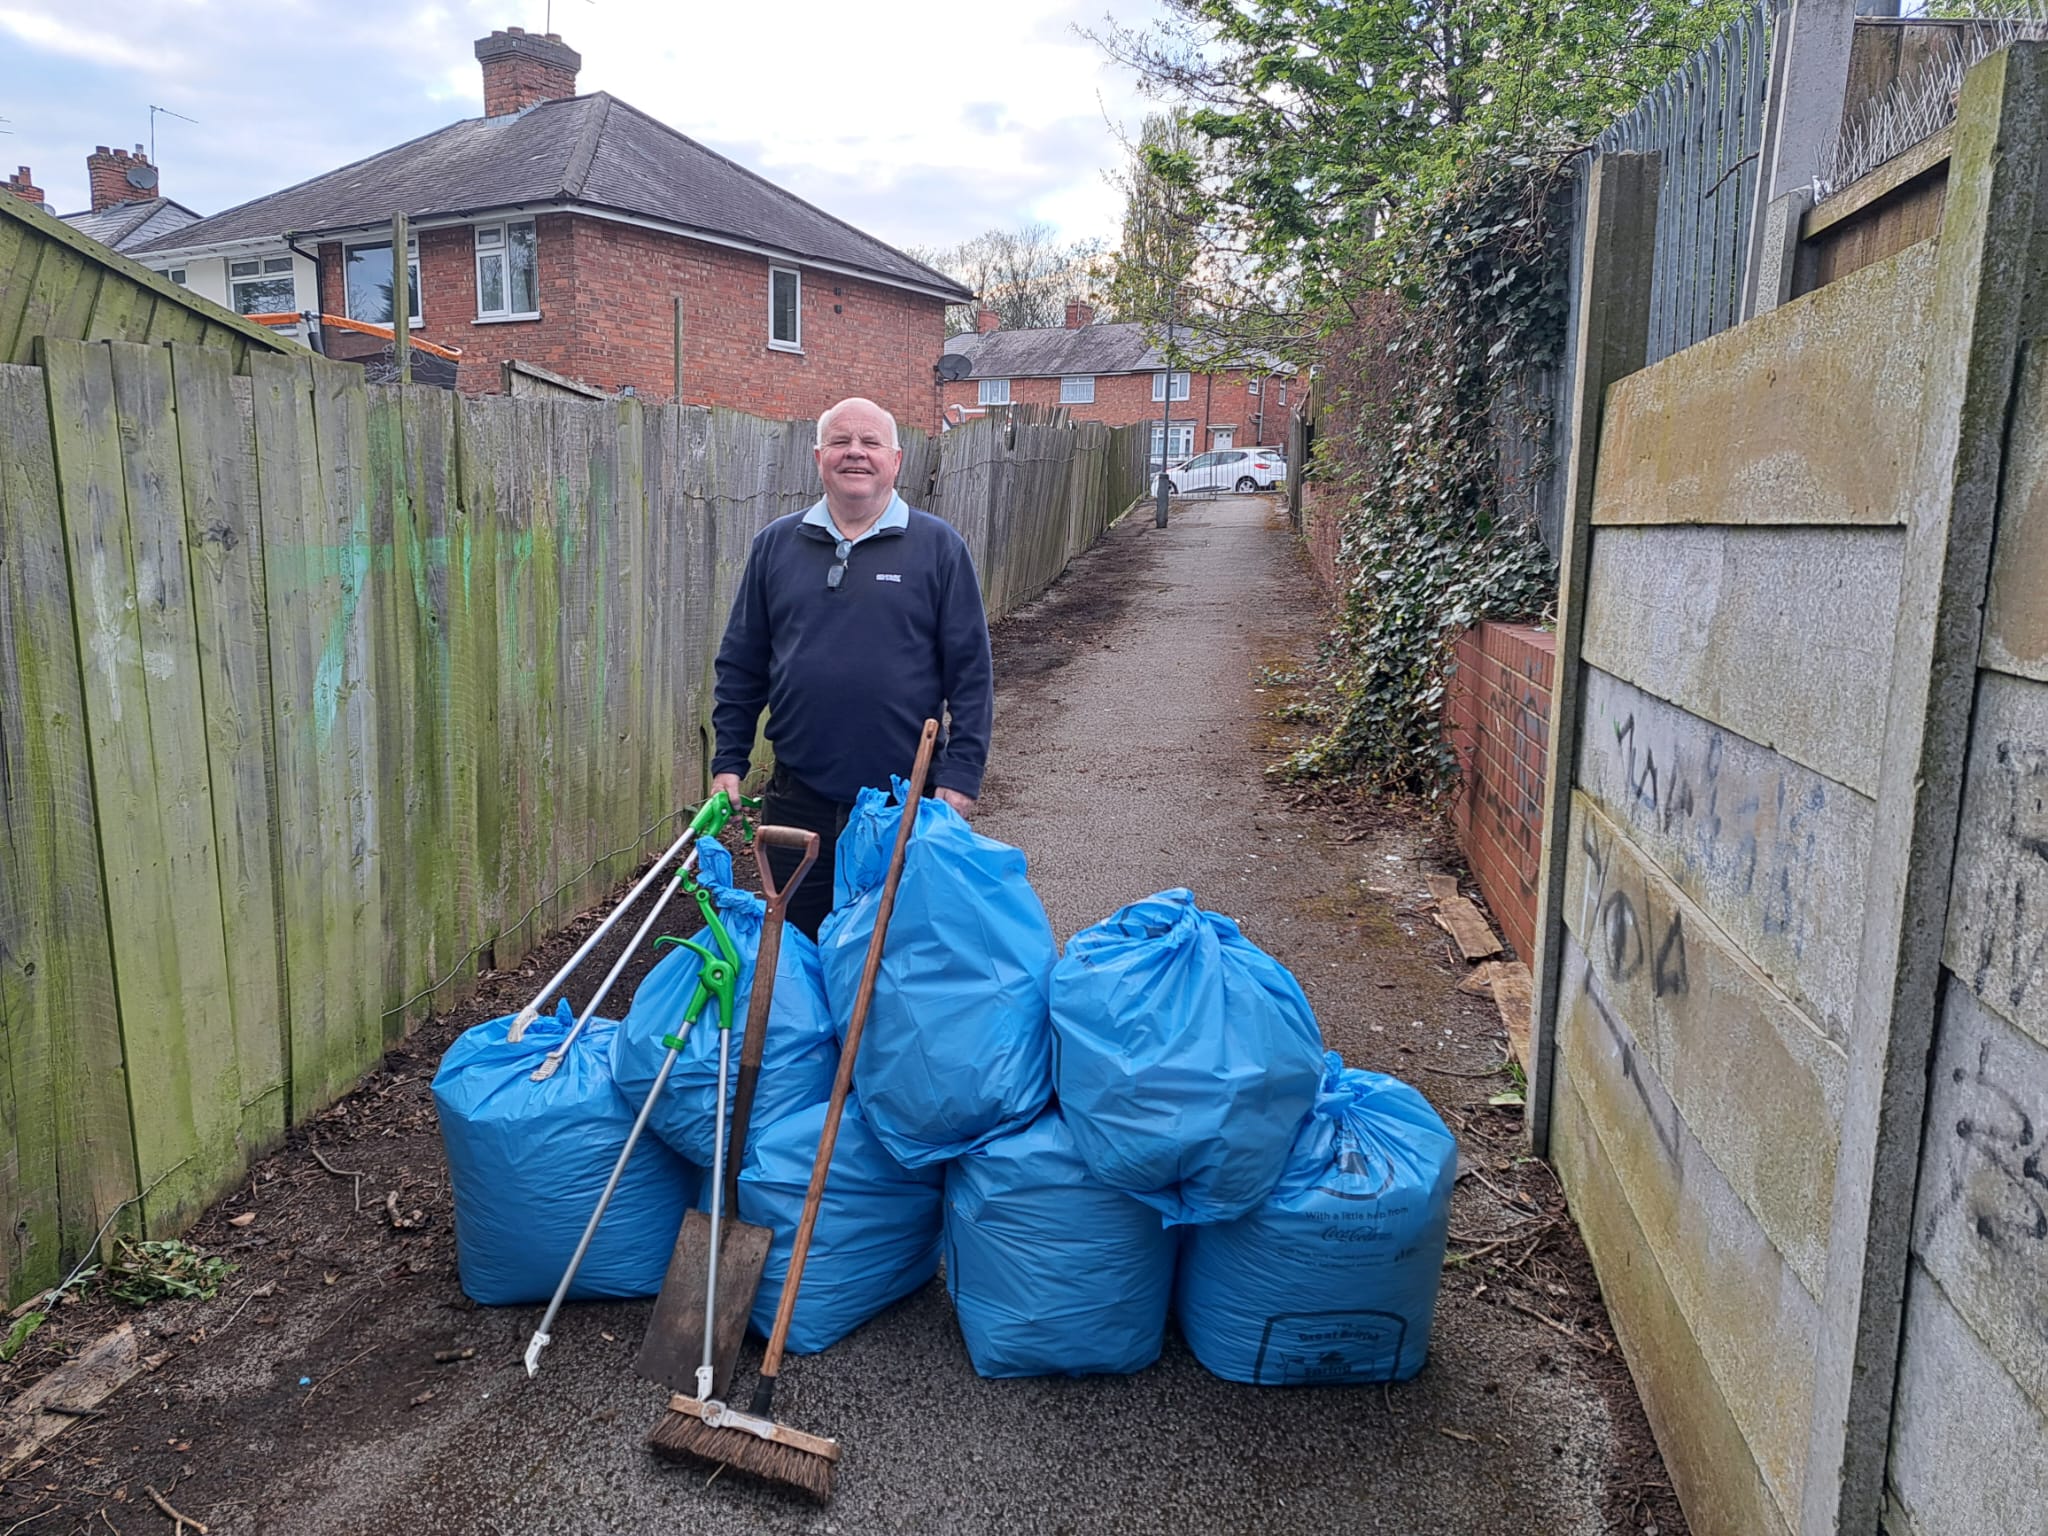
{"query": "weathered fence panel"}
pixel 1802 695
pixel 318 697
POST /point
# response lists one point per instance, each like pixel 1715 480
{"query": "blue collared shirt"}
pixel 895 515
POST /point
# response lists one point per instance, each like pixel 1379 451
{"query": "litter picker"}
pixel 705 1429
pixel 717 979
pixel 716 1267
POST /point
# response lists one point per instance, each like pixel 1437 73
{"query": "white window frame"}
pixel 268 270
pixel 1251 387
pixel 1183 432
pixel 993 392
pixel 1183 382
pixel 502 254
pixel 1078 390
pixel 1283 391
pixel 782 343
pixel 177 275
pixel 414 298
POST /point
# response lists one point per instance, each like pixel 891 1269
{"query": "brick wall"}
pixel 607 319
pixel 1499 721
pixel 1125 399
pixel 1320 533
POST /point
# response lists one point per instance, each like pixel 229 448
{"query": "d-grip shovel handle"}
pixel 758 999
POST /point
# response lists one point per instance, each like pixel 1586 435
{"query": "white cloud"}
pixel 921 123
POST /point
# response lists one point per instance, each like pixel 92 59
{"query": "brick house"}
pixel 1112 373
pixel 558 230
pixel 127 210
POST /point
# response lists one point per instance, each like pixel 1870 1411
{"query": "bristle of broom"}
pixel 685 1437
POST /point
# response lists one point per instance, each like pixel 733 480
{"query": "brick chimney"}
pixel 22 184
pixel 1079 314
pixel 987 320
pixel 523 69
pixel 118 177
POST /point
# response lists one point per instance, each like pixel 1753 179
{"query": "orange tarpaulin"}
pixel 342 322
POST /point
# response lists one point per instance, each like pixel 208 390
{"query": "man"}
pixel 855 622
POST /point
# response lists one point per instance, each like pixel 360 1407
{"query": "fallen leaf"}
pixel 608 1338
pixel 242 1220
pixel 330 1277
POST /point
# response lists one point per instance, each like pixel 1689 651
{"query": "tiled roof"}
pixel 1060 352
pixel 593 150
pixel 128 226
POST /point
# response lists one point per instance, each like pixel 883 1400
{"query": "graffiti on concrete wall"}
pixel 1998 923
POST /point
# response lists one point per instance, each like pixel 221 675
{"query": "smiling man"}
pixel 855 622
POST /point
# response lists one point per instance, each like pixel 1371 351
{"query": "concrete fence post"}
pixel 1613 339
pixel 1987 296
pixel 1802 116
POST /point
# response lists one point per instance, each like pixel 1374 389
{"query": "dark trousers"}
pixel 789 802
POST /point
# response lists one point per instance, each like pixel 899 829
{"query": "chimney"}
pixel 987 320
pixel 1079 314
pixel 523 69
pixel 22 184
pixel 118 177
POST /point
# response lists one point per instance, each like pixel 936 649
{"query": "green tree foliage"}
pixel 1165 211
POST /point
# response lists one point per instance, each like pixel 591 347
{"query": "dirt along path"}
pixel 1138 703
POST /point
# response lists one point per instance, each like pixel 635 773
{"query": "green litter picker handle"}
pixel 718 971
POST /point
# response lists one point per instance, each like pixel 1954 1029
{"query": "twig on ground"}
pixel 340 1173
pixel 1521 1201
pixel 178 1521
pixel 1546 1319
pixel 334 1373
pixel 267 1288
pixel 1447 1072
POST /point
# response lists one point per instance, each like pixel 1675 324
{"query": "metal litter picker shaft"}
pixel 706 1429
pixel 717 979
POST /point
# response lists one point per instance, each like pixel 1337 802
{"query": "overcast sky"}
pixel 922 124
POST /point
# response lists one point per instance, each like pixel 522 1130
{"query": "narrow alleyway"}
pixel 1137 705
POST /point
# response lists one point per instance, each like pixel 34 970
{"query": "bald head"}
pixel 858 412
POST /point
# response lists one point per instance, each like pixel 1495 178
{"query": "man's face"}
pixel 856 461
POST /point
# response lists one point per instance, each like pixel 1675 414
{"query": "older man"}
pixel 855 622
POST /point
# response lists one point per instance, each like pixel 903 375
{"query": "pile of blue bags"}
pixel 1145 1127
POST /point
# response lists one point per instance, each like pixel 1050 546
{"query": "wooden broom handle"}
pixel 771 1362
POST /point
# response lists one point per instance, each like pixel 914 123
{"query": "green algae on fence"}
pixel 63 1097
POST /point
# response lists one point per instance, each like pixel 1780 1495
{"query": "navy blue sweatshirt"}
pixel 850 674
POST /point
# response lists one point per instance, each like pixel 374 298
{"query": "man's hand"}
pixel 964 804
pixel 730 783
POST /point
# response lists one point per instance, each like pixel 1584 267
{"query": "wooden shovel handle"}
pixel 771 1362
pixel 754 1042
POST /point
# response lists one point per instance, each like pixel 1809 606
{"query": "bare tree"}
pixel 1026 275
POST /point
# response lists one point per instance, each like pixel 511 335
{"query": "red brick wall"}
pixel 1319 531
pixel 1123 399
pixel 606 301
pixel 1499 723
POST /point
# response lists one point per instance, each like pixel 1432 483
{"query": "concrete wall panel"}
pixel 1772 852
pixel 2016 615
pixel 1969 1452
pixel 1980 1224
pixel 1759 1087
pixel 1754 1322
pixel 1782 635
pixel 1794 418
pixel 1997 936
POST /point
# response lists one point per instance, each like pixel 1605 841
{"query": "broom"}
pixel 752 1442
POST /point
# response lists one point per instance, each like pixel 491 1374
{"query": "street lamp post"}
pixel 1165 424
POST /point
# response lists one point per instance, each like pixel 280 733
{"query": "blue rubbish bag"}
pixel 1334 1279
pixel 1051 1272
pixel 528 1160
pixel 1184 1056
pixel 956 1049
pixel 877 1237
pixel 798 1059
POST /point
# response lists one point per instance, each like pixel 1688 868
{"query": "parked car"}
pixel 1226 469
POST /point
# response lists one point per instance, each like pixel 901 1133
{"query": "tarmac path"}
pixel 1134 714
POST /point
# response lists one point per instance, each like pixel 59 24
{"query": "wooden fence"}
pixel 315 698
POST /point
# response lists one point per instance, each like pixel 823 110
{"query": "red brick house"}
pixel 127 209
pixel 559 229
pixel 1112 373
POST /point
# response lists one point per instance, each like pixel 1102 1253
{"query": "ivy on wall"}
pixel 1477 276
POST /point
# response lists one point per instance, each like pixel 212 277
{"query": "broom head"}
pixel 693 1430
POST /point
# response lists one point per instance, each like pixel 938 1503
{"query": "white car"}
pixel 1226 469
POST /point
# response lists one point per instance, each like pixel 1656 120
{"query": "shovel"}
pixel 715 1271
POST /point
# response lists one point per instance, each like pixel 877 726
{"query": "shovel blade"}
pixel 674 1346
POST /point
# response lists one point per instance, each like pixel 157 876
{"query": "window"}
pixel 1182 442
pixel 176 275
pixel 1077 391
pixel 260 287
pixel 507 283
pixel 785 309
pixel 1283 391
pixel 368 272
pixel 1251 387
pixel 1180 386
pixel 995 392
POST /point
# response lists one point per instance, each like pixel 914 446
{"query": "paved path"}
pixel 1131 726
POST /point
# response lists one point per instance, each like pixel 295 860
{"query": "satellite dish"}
pixel 953 366
pixel 142 177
